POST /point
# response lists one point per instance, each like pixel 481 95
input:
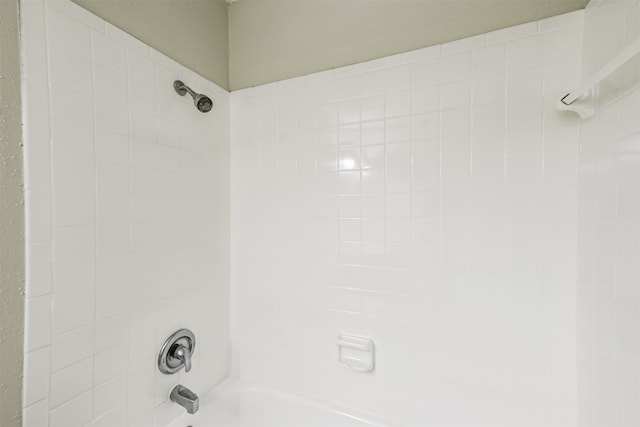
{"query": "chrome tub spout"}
pixel 185 398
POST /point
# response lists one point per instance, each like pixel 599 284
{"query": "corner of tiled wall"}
pixel 429 200
pixel 127 222
pixel 609 225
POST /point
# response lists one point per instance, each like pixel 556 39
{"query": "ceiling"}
pixel 271 40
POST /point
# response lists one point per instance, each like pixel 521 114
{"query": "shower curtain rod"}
pixel 588 111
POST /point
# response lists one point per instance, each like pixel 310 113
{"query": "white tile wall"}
pixel 127 235
pixel 428 199
pixel 609 238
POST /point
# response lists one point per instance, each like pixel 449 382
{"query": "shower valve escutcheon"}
pixel 176 352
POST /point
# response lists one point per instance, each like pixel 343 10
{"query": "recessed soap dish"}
pixel 356 352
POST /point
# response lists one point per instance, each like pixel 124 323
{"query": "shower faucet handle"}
pixel 176 352
pixel 184 354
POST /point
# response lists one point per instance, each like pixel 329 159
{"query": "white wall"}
pixel 428 199
pixel 609 238
pixel 127 223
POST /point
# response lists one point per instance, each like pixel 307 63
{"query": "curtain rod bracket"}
pixel 584 109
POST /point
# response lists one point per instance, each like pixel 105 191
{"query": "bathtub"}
pixel 238 403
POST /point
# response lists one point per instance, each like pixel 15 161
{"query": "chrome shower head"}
pixel 202 102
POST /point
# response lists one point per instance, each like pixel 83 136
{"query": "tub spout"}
pixel 185 398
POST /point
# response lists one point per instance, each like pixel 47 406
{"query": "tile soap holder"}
pixel 356 352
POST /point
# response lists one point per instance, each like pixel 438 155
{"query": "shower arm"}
pixel 183 89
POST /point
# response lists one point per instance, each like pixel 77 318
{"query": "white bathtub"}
pixel 238 403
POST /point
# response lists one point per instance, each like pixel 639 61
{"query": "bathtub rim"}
pixel 234 385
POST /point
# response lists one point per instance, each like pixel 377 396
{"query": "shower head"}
pixel 202 102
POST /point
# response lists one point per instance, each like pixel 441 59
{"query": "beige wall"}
pixel 192 32
pixel 272 40
pixel 11 219
pixel 263 41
